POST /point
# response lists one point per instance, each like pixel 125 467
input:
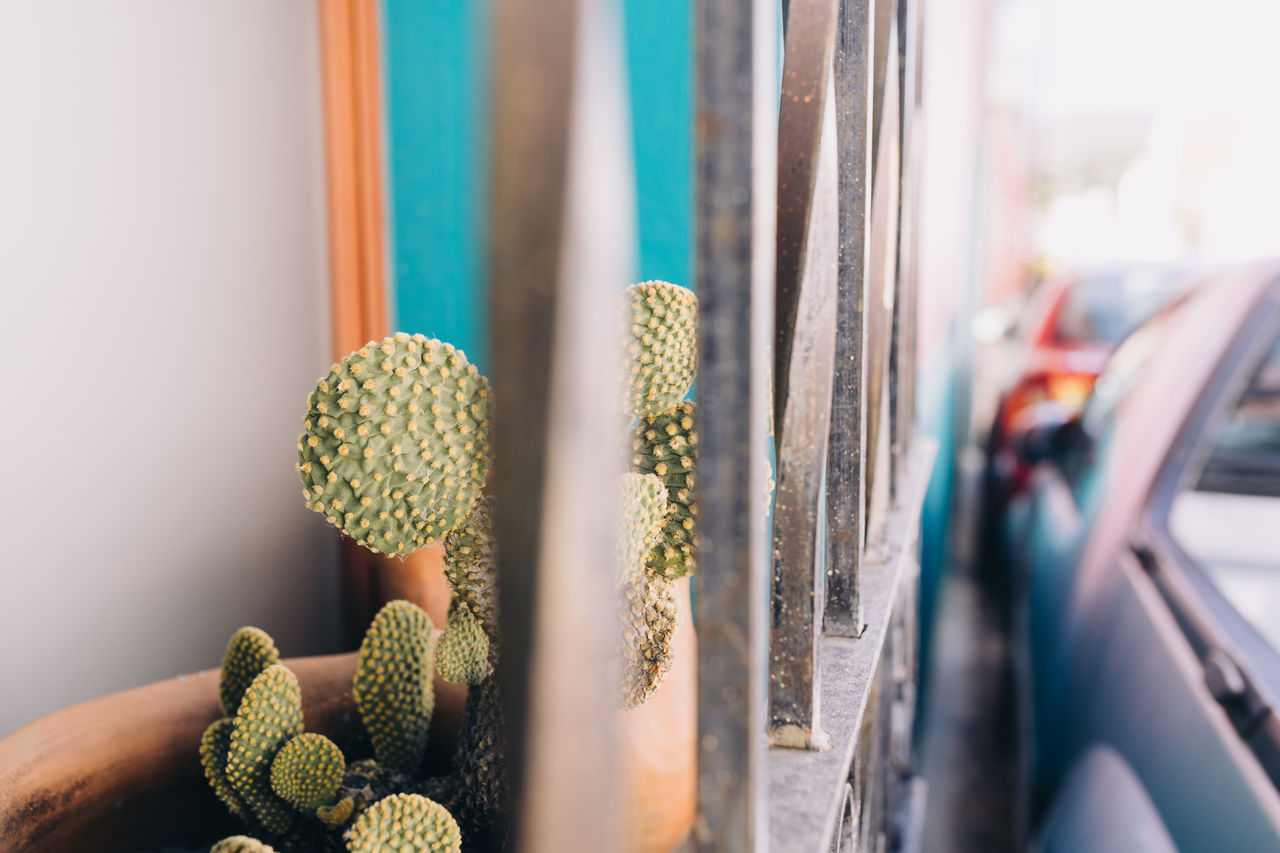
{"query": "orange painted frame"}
pixel 351 66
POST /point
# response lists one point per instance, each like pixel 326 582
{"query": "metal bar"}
pixel 846 472
pixel 897 346
pixel 805 365
pixel 557 234
pixel 736 132
pixel 879 296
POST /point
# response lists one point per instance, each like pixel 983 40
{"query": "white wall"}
pixel 163 314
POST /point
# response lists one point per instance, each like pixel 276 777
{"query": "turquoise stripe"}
pixel 436 91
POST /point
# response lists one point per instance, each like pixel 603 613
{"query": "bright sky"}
pixel 1206 73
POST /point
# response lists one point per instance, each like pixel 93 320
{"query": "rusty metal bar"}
pixel 842 613
pixel 808 252
pixel 735 94
pixel 559 182
pixel 881 279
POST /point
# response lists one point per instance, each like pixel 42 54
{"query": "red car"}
pixel 1071 325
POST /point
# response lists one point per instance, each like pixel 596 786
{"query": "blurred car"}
pixel 1146 556
pixel 1068 331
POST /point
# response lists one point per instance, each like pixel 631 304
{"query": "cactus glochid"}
pixel 249 652
pixel 649 614
pixel 470 566
pixel 396 447
pixel 405 822
pixel 667 445
pixel 270 714
pixel 661 346
pixel 642 505
pixel 307 771
pixel 392 687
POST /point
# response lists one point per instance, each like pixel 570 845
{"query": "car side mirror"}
pixel 1052 436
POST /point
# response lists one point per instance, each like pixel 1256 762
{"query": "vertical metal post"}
pixel 804 366
pixel 846 472
pixel 735 94
pixel 559 255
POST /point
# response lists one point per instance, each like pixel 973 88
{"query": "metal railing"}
pixel 804 213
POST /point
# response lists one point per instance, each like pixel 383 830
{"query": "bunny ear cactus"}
pixel 462 655
pixel 241 844
pixel 249 652
pixel 648 611
pixel 470 567
pixel 396 447
pixel 270 714
pixel 214 745
pixel 393 688
pixel 667 445
pixel 661 347
pixel 405 822
pixel 307 771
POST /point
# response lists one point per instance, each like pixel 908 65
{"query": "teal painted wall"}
pixel 436 91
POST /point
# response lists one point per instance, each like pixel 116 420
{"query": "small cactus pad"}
pixel 667 445
pixel 405 822
pixel 270 714
pixel 393 687
pixel 241 844
pixel 396 447
pixel 662 346
pixel 307 771
pixel 470 566
pixel 648 615
pixel 642 505
pixel 214 745
pixel 337 814
pixel 462 655
pixel 249 652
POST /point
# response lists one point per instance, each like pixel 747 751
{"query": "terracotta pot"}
pixel 122 773
pixel 659 750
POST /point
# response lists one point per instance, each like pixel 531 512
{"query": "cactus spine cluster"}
pixel 393 689
pixel 396 447
pixel 404 822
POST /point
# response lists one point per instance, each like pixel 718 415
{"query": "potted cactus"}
pixel 395 454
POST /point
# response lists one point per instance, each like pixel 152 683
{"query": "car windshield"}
pixel 1103 308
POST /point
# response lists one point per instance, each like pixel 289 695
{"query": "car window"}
pixel 1244 456
pixel 1226 515
pixel 1104 307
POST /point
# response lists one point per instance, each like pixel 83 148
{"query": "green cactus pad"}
pixel 405 822
pixel 249 652
pixel 241 844
pixel 661 347
pixel 470 567
pixel 462 655
pixel 337 814
pixel 270 714
pixel 667 445
pixel 307 771
pixel 648 616
pixel 642 505
pixel 393 689
pixel 214 745
pixel 396 447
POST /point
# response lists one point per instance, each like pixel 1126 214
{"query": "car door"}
pixel 1178 670
pixel 1067 493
